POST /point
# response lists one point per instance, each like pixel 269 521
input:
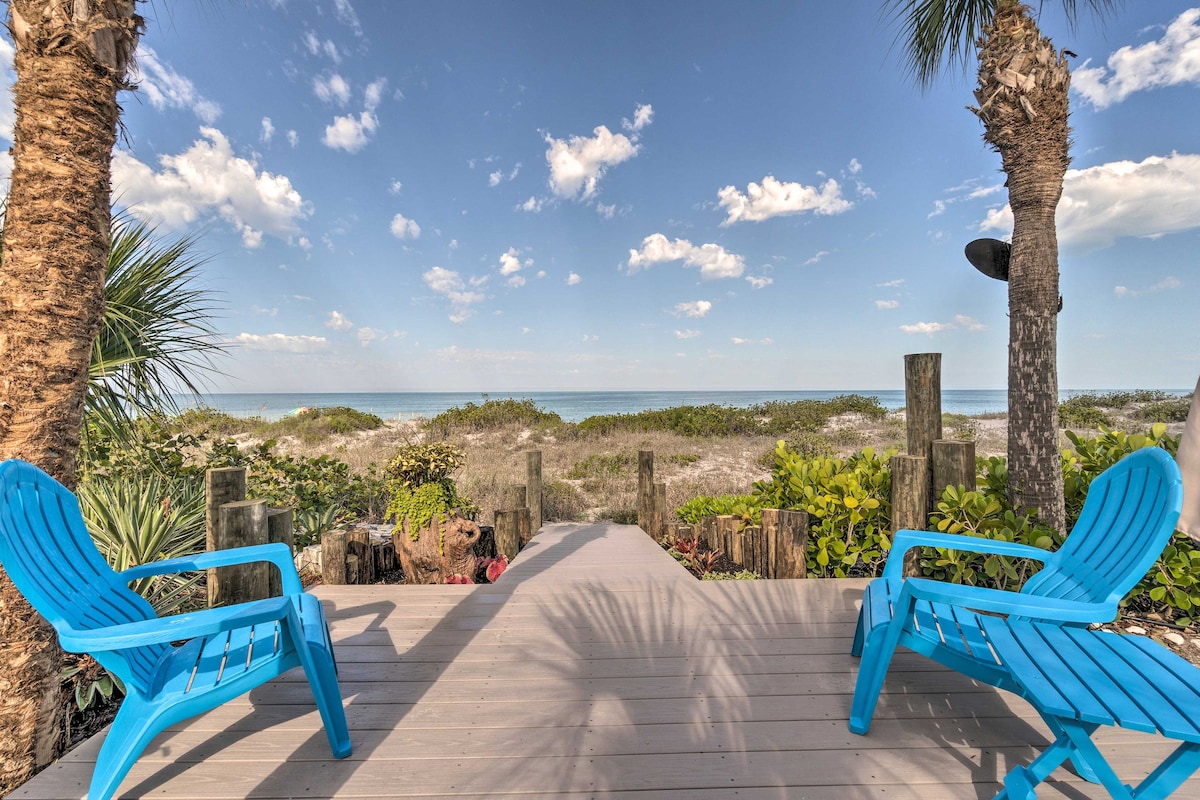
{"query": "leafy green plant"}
pixel 493 414
pixel 1172 587
pixel 420 488
pixel 740 575
pixel 92 684
pixel 1174 409
pixel 745 507
pixel 139 522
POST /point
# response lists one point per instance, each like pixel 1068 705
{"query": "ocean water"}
pixel 574 406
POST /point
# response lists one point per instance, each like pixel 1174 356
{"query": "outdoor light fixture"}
pixel 990 256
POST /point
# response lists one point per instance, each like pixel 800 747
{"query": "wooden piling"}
pixel 910 501
pixel 242 523
pixel 524 526
pixel 645 495
pixel 923 411
pixel 221 486
pixel 791 545
pixel 533 483
pixel 507 532
pixel 516 497
pixel 658 511
pixel 333 558
pixel 280 528
pixel 953 465
pixel 358 545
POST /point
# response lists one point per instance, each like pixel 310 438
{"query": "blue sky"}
pixel 487 196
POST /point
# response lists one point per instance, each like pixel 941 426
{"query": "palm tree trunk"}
pixel 71 59
pixel 1022 94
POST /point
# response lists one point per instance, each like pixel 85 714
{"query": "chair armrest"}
pixel 275 553
pixel 906 540
pixel 172 629
pixel 999 601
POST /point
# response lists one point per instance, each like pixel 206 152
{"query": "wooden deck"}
pixel 596 665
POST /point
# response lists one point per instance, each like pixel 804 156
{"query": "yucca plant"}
pixel 136 522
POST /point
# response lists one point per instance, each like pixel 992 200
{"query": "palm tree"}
pixel 1023 104
pixel 72 57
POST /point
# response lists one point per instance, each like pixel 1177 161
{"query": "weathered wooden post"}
pixel 280 528
pixel 706 532
pixel 726 525
pixel 515 498
pixel 645 495
pixel 791 544
pixel 910 501
pixel 923 410
pixel 533 482
pixel 333 558
pixel 221 486
pixel 507 532
pixel 241 523
pixel 358 548
pixel 953 465
pixel 658 511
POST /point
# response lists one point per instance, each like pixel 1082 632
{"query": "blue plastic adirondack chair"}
pixel 49 555
pixel 1127 519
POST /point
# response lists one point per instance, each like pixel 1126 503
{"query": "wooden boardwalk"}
pixel 598 666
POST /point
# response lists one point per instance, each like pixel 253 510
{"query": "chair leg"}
pixel 878 646
pixel 328 696
pixel 135 725
pixel 1082 768
pixel 859 634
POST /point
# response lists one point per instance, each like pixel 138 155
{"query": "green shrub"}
pixel 745 507
pixel 1174 409
pixel 493 414
pixel 205 420
pixel 420 489
pixel 1172 586
pixel 314 424
pixel 1081 412
pixel 740 575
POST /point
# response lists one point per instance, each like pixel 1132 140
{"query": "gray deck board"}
pixel 597 666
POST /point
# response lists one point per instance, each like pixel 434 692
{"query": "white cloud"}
pixel 532 205
pixel 338 322
pixel 772 198
pixel 739 341
pixel 316 47
pixel 1172 60
pixel 373 94
pixel 887 303
pixel 510 262
pixel 350 133
pixel 574 279
pixel 759 282
pixel 405 228
pixel 713 260
pixel 395 186
pixel 347 16
pixel 890 284
pixel 279 342
pixel 166 88
pixel 1100 204
pixel 606 211
pixel 293 138
pixel 968 323
pixel 643 115
pixel 209 178
pixel 332 88
pixel 453 244
pixel 450 285
pixel 697 309
pixel 516 281
pixel 927 328
pixel 1167 283
pixel 577 164
pixel 819 255
pixel 939 208
pixel 495 178
pixel 368 335
pixel 588 339
pixel 855 167
pixel 268 130
pixel 686 334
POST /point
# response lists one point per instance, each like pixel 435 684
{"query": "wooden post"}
pixel 279 529
pixel 358 544
pixel 753 549
pixel 910 501
pixel 645 495
pixel 953 465
pixel 770 527
pixel 706 532
pixel 533 482
pixel 333 558
pixel 658 511
pixel 240 524
pixel 726 525
pixel 221 486
pixel 923 411
pixel 507 534
pixel 524 526
pixel 791 556
pixel 515 498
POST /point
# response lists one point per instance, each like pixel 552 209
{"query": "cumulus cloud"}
pixel 574 279
pixel 759 282
pixel 280 342
pixel 209 178
pixel 738 340
pixel 643 115
pixel 697 309
pixel 961 322
pixel 346 15
pixel 713 260
pixel 773 198
pixel 577 164
pixel 332 88
pixel 338 322
pixel 1150 198
pixel 405 228
pixel 351 133
pixel 268 130
pixel 368 335
pixel 166 88
pixel 1172 60
pixel 686 334
pixel 293 138
pixel 317 47
pixel 511 264
pixel 395 186
pixel 533 205
pixel 450 285
pixel 1167 283
pixel 887 303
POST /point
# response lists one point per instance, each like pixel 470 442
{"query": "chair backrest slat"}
pixel 50 556
pixel 1126 521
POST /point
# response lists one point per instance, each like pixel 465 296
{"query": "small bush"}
pixel 1081 412
pixel 317 423
pixel 491 415
pixel 1174 409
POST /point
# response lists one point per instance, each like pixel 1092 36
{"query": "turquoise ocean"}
pixel 576 406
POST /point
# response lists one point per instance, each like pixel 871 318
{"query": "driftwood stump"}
pixel 442 551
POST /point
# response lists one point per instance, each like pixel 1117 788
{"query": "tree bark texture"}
pixel 1022 92
pixel 71 59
